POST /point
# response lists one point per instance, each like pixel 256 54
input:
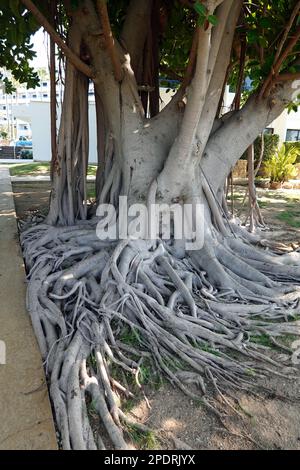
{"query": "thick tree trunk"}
pixel 191 308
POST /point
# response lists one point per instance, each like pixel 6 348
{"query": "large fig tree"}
pixel 193 312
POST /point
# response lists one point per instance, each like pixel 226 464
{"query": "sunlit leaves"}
pixel 203 17
pixel 212 19
pixel 261 26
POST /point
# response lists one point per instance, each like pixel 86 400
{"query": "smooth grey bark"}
pixel 169 147
pixel 192 309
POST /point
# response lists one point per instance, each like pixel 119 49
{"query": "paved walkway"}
pixel 14 161
pixel 38 178
pixel 25 414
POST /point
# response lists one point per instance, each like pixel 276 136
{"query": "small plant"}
pixel 290 217
pixel 4 135
pixel 280 167
pixel 144 440
pixel 26 154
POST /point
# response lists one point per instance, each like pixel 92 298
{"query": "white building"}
pixel 9 122
pixel 37 113
pixel 287 125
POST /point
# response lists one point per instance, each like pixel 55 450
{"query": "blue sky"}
pixel 40 41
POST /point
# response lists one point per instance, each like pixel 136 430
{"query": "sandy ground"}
pixel 264 422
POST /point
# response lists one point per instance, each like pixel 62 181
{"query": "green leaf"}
pixel 263 42
pixel 213 19
pixel 201 20
pixel 200 8
pixel 252 36
pixel 75 3
pixel 265 23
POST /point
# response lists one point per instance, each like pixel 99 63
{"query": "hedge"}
pixel 270 147
pixel 296 145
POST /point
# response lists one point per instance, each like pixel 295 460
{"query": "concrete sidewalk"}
pixel 39 178
pixel 26 420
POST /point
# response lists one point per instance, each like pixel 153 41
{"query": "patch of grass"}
pixel 210 350
pixel 92 361
pixel 262 340
pixel 251 372
pixel 91 193
pixel 288 339
pixel 175 364
pixel 128 405
pixel 236 197
pixel 284 340
pixel 92 170
pixel 146 374
pixel 263 204
pixel 292 197
pixel 130 336
pixel 91 408
pixel 143 440
pixel 199 403
pixel 295 317
pixel 290 217
pixel 42 169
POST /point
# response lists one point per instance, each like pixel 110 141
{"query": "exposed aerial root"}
pixel 194 317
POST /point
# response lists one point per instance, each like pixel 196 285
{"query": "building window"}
pixel 247 86
pixel 34 96
pixel 23 96
pixel 4 108
pixel 45 95
pixel 45 84
pixel 269 131
pixel 293 135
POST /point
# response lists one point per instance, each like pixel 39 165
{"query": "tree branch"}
pixel 286 77
pixel 228 14
pixel 280 58
pixel 103 14
pixel 73 58
pixel 192 61
pixel 135 29
pixel 53 113
pixel 181 151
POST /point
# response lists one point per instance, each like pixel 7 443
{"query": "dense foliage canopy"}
pixel 258 41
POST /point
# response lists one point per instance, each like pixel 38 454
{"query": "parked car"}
pixel 26 154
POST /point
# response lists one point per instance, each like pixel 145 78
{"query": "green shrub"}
pixel 26 154
pixel 271 142
pixel 280 166
pixel 295 145
pixel 3 135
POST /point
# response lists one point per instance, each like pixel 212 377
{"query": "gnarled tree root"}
pixel 194 316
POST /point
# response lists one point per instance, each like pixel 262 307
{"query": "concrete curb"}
pixel 26 420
